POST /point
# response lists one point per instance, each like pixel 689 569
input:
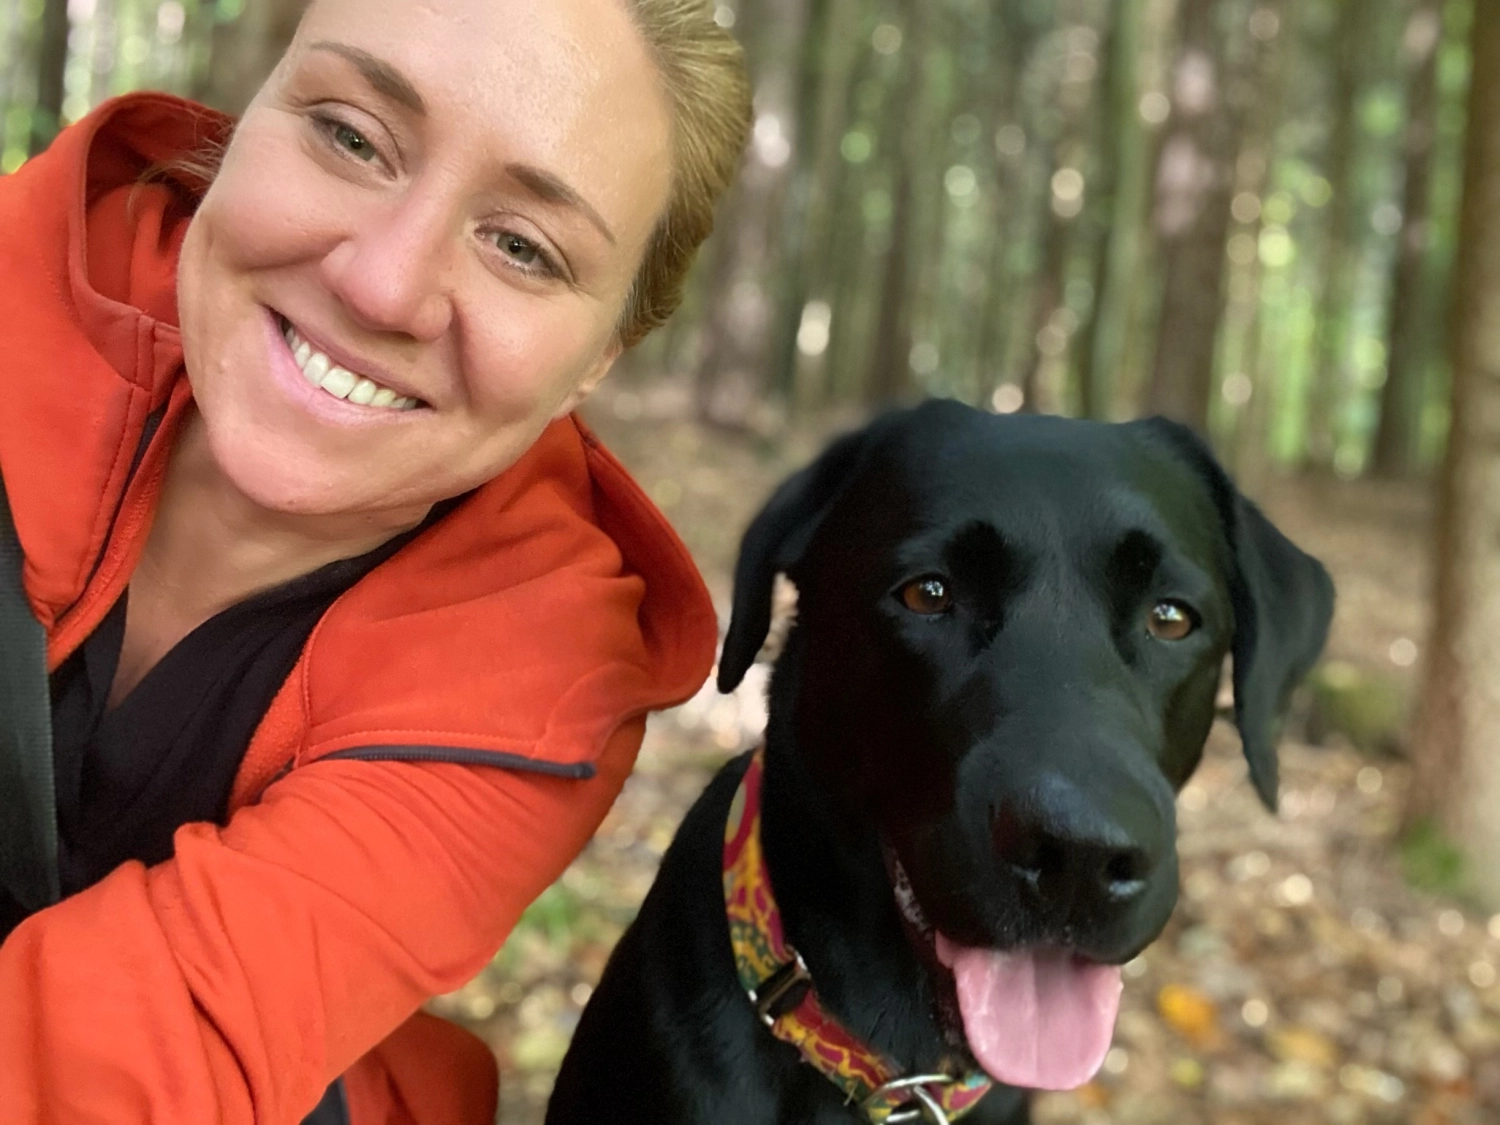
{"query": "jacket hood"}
pixel 553 604
pixel 86 274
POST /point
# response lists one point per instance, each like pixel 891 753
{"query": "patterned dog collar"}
pixel 775 978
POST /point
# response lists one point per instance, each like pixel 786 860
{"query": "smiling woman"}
pixel 350 625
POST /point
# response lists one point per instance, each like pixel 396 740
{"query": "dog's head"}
pixel 1008 644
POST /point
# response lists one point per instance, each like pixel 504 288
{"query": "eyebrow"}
pixel 391 83
pixel 385 78
pixel 550 189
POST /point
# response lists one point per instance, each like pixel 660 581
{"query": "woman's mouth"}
pixel 329 377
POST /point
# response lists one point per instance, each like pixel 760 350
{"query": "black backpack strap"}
pixel 333 1109
pixel 28 802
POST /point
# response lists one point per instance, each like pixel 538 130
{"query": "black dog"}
pixel 1009 637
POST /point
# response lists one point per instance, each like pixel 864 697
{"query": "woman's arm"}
pixel 233 983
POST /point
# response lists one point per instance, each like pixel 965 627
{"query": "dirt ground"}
pixel 1302 981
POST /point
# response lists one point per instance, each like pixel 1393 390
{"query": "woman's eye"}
pixel 522 250
pixel 1171 621
pixel 525 254
pixel 351 141
pixel 927 596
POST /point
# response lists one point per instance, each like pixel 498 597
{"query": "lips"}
pixel 341 376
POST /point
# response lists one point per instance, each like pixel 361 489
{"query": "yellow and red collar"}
pixel 772 973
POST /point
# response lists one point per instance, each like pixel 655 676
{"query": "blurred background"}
pixel 1276 220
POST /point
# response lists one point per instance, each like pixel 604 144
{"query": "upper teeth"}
pixel 322 372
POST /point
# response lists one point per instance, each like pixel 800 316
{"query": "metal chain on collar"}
pixel 922 1107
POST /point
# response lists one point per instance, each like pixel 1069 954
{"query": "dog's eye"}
pixel 926 596
pixel 1171 621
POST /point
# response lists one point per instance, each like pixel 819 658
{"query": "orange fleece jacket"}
pixel 454 731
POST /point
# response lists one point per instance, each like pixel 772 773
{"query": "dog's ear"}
pixel 1283 603
pixel 774 541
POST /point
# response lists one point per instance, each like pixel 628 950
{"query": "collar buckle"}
pixel 920 1106
pixel 769 996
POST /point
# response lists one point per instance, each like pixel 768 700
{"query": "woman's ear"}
pixel 591 379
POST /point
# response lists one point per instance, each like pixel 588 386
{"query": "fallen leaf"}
pixel 1191 1014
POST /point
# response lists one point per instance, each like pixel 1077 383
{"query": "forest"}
pixel 1277 221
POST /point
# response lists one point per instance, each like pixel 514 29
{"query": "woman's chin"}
pixel 290 478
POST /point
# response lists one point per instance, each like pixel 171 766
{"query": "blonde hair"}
pixel 703 70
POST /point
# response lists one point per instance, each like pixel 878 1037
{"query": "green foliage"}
pixel 554 916
pixel 1009 94
pixel 573 909
pixel 1430 861
pixel 1368 710
pixel 1383 111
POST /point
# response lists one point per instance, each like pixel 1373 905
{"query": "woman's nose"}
pixel 392 271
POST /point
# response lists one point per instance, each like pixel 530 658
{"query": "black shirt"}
pixel 167 755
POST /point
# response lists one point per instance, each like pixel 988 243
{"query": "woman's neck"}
pixel 211 546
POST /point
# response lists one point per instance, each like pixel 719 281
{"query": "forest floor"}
pixel 1302 981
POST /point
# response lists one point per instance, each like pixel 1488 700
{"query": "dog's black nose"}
pixel 1080 859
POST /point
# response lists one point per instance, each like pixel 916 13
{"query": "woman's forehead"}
pixel 566 85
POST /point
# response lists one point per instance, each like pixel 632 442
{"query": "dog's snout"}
pixel 1074 856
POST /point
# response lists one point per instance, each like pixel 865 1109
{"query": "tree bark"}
pixel 738 335
pixel 1457 748
pixel 51 64
pixel 1399 428
pixel 1013 41
pixel 1194 186
pixel 245 50
pixel 1046 291
pixel 1117 200
pixel 1329 377
pixel 1248 454
pixel 890 373
pixel 1062 117
pixel 844 266
pixel 822 114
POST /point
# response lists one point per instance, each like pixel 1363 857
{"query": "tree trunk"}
pixel 51 63
pixel 245 50
pixel 831 77
pixel 890 371
pixel 1248 447
pixel 1399 429
pixel 1457 751
pixel 843 265
pixel 1194 185
pixel 890 374
pixel 1013 42
pixel 734 368
pixel 1329 377
pixel 1047 340
pixel 1062 116
pixel 1117 201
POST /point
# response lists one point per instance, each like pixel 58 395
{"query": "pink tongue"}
pixel 1041 1019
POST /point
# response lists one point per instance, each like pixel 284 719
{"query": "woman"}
pixel 351 628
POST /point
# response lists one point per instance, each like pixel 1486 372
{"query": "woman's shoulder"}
pixel 550 606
